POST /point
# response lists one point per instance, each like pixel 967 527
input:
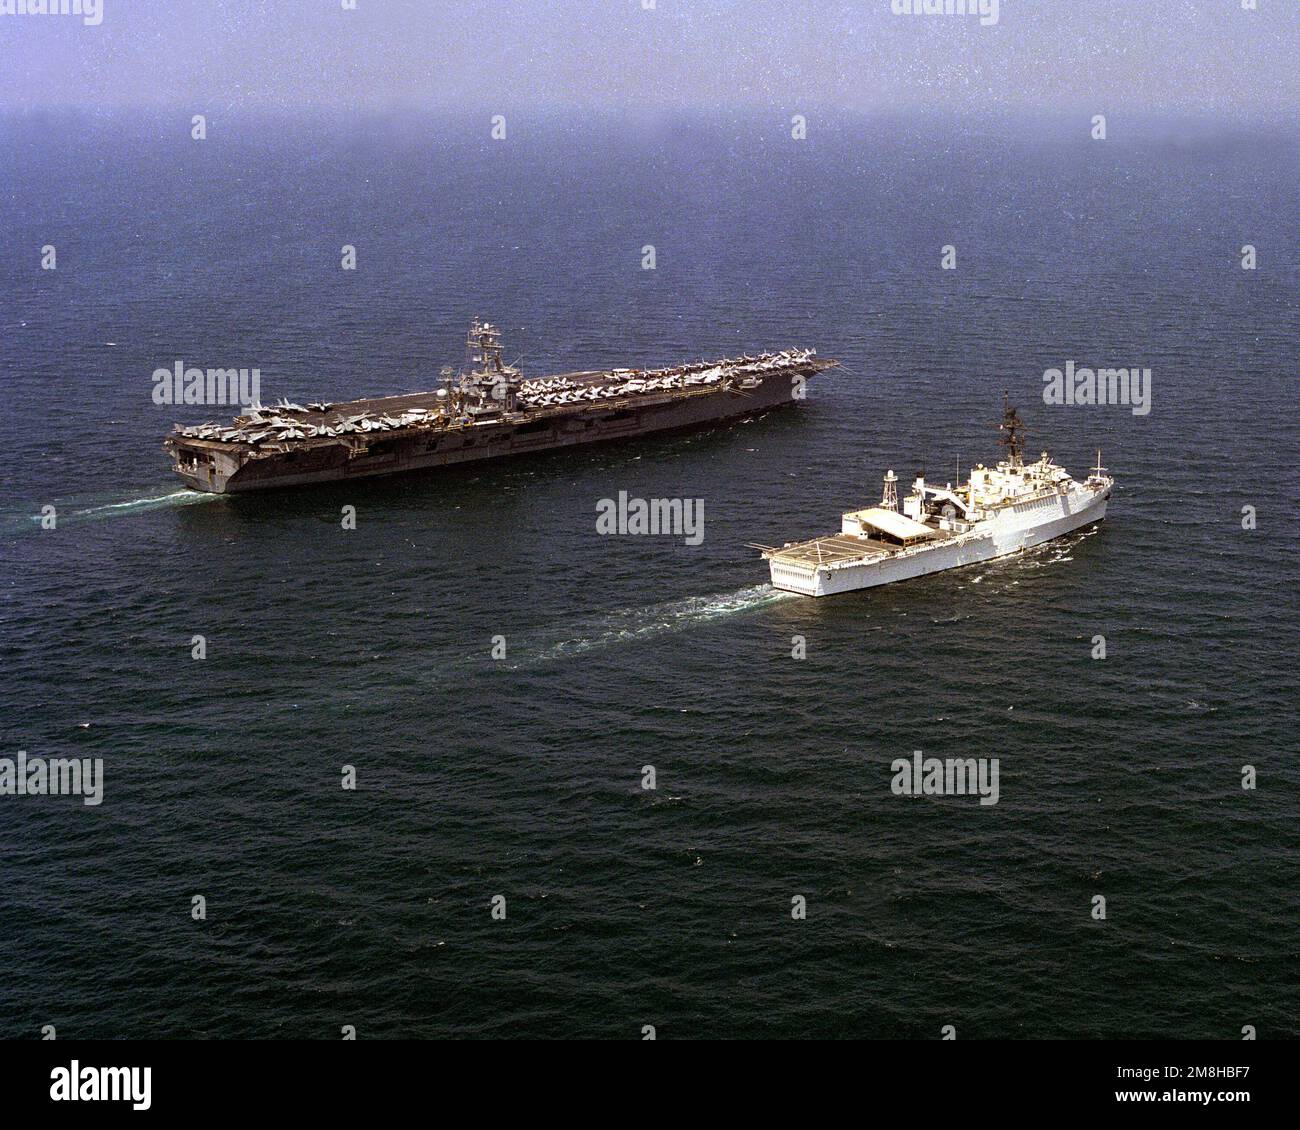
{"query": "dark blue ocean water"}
pixel 521 777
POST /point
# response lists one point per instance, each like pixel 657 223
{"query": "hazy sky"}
pixel 1188 55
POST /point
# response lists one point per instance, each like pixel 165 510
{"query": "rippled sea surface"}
pixel 521 776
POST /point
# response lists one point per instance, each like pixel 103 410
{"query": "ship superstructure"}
pixel 487 410
pixel 998 510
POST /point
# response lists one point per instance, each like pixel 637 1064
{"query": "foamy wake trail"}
pixel 627 625
pixel 137 505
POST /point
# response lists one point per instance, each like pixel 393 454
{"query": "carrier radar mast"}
pixel 484 368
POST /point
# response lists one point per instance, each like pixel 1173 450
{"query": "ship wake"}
pixel 630 625
pixel 71 512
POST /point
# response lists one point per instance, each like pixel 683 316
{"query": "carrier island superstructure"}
pixel 999 510
pixel 486 411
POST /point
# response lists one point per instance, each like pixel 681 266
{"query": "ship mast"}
pixel 1013 429
pixel 483 348
pixel 484 368
pixel 889 499
pixel 1099 472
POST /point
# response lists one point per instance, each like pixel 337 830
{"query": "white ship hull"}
pixel 1018 528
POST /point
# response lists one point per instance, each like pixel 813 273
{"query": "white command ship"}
pixel 998 511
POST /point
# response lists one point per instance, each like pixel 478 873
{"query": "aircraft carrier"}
pixel 487 411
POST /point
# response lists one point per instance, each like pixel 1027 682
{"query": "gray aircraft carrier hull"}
pixel 230 469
